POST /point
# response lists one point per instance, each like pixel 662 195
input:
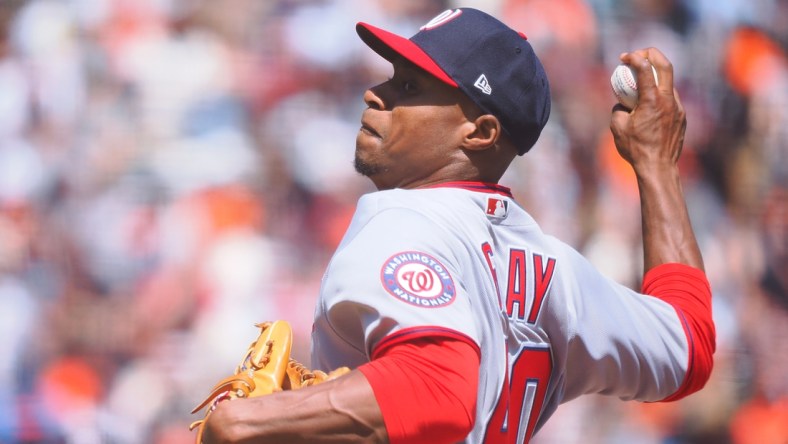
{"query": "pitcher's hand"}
pixel 651 136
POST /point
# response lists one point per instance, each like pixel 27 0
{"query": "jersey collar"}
pixel 482 187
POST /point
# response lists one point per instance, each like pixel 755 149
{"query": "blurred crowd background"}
pixel 173 171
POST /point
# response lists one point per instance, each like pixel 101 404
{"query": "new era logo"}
pixel 483 85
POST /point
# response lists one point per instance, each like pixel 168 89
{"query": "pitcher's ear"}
pixel 483 133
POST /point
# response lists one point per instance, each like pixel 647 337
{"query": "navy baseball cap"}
pixel 491 63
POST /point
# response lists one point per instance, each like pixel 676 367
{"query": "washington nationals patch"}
pixel 418 279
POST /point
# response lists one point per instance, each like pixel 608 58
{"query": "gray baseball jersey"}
pixel 465 260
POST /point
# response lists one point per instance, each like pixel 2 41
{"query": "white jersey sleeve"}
pixel 618 342
pixel 393 275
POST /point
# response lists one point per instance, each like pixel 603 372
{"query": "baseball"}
pixel 625 85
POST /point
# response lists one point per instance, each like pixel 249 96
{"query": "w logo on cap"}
pixel 483 85
pixel 441 18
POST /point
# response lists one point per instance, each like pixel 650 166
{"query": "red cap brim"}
pixel 389 45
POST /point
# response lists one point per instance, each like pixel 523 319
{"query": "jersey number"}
pixel 521 398
pixel 524 388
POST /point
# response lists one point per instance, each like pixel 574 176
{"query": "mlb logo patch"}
pixel 497 207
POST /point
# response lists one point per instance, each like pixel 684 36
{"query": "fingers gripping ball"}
pixel 266 368
pixel 625 87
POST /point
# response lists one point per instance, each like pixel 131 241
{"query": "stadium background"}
pixel 172 172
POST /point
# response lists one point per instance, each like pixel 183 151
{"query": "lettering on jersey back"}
pixel 488 256
pixel 515 289
pixel 543 277
pixel 522 278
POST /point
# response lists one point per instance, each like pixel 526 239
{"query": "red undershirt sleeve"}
pixel 688 291
pixel 426 389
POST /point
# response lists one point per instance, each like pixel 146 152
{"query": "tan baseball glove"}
pixel 266 368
